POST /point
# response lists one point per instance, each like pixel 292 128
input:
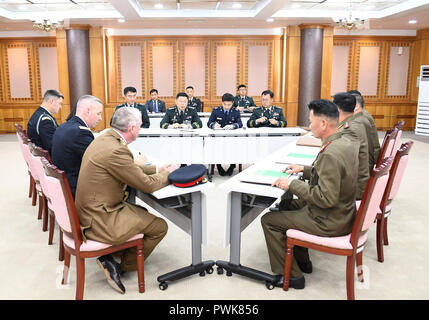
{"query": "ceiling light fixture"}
pixel 412 21
pixel 270 20
pixel 236 5
pixel 350 22
pixel 158 6
pixel 121 20
pixel 47 25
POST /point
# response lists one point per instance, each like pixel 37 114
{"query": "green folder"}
pixel 272 173
pixel 301 155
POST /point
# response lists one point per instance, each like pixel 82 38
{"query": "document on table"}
pixel 266 175
pixel 300 158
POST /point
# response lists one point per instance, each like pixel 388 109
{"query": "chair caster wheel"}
pixel 209 270
pixel 219 270
pixel 269 285
pixel 229 273
pixel 202 273
pixel 163 286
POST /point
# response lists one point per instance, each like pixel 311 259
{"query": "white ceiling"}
pixel 393 14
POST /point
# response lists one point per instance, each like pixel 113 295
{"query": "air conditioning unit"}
pixel 422 121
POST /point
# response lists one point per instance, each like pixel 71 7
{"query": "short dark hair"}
pixel 268 92
pixel 182 94
pixel 153 90
pixel 324 107
pixel 241 86
pixel 227 97
pixel 358 96
pixel 51 94
pixel 345 101
pixel 129 89
pixel 189 87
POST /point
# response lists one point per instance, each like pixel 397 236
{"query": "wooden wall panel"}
pixel 194 66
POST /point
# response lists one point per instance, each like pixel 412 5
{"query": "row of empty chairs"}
pixel 56 200
pixel 376 205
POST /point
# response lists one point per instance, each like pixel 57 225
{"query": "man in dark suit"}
pixel 154 105
pixel 73 137
pixel 130 94
pixel 227 118
pixel 42 125
pixel 193 102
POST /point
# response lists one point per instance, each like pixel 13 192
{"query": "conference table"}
pixel 246 201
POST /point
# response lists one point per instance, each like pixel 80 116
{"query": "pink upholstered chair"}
pixel 395 177
pixel 399 125
pixel 23 144
pixel 387 145
pixel 350 245
pixel 67 218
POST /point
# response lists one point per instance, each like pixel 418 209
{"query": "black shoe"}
pixel 220 170
pixel 230 170
pixel 275 208
pixel 112 272
pixel 296 283
pixel 306 267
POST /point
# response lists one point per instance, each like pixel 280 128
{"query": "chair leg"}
pixel 80 277
pixel 350 277
pixel 45 212
pixel 30 191
pixel 385 238
pixel 51 227
pixel 34 200
pixel 380 227
pixel 240 167
pixel 39 214
pixel 212 169
pixel 66 267
pixel 359 264
pixel 140 267
pixel 288 265
pixel 61 249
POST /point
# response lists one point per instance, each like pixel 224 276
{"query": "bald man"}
pixel 73 137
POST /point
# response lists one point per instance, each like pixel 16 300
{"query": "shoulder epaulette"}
pixel 46 118
pixel 84 128
pixel 347 125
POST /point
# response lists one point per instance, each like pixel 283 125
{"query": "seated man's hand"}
pixel 294 168
pixel 261 119
pixel 229 127
pixel 241 109
pixel 274 122
pixel 250 109
pixel 216 126
pixel 282 183
pixel 174 126
pixel 140 160
pixel 168 167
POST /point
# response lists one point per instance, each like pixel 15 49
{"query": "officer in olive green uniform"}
pixel 354 130
pixel 371 129
pixel 267 115
pixel 181 116
pixel 325 205
pixel 243 102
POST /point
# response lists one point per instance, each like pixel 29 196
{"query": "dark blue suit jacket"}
pixel 161 106
pixel 218 115
pixel 41 127
pixel 68 146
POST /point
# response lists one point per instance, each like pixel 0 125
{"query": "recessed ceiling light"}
pixel 121 20
pixel 412 21
pixel 159 6
pixel 236 5
pixel 270 20
pixel 296 6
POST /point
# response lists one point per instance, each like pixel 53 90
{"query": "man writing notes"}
pixel 181 115
pixel 42 125
pixel 73 137
pixel 108 167
pixel 326 204
pixel 267 115
pixel 243 102
pixel 228 118
pixel 130 95
pixel 154 105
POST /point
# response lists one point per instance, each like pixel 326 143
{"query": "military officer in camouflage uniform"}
pixel 325 205
pixel 181 115
pixel 42 125
pixel 193 102
pixel 267 115
pixel 354 130
pixel 130 94
pixel 243 102
pixel 371 129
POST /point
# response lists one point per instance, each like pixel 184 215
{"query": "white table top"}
pixel 204 132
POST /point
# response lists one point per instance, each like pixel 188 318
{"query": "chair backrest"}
pixel 399 125
pixel 38 172
pixel 396 173
pixel 62 203
pixel 387 146
pixel 371 199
